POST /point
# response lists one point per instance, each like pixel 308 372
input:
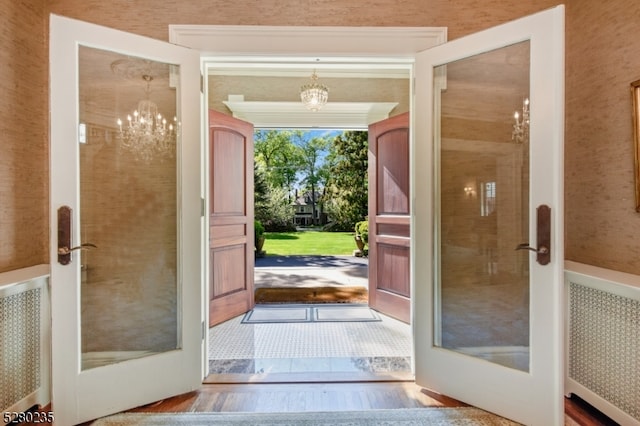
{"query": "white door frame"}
pixel 253 46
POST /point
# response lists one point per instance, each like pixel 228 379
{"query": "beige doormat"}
pixel 311 295
pixel 389 417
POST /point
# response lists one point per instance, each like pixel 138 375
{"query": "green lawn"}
pixel 309 242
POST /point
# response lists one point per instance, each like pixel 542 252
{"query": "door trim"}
pixel 251 46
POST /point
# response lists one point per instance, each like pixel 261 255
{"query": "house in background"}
pixel 601 224
pixel 303 208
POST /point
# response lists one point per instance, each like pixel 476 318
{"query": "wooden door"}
pixel 389 217
pixel 231 245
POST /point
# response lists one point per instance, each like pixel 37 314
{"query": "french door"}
pixel 488 225
pixel 125 218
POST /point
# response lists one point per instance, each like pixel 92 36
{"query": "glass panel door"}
pixel 488 261
pixel 126 222
pixel 483 155
pixel 128 206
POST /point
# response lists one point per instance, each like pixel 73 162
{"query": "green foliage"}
pixel 258 228
pixel 260 187
pixel 278 156
pixel 362 230
pixel 348 183
pixel 275 213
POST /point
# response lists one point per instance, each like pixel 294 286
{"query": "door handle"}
pixel 525 246
pixel 64 236
pixel 85 246
pixel 543 236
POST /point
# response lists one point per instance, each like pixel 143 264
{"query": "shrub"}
pixel 362 229
pixel 258 229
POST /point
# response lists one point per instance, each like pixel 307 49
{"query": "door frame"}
pixel 232 46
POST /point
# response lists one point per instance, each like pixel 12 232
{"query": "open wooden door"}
pixel 231 244
pixel 389 217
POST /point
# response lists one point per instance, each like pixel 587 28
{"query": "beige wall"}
pixel 23 145
pixel 602 227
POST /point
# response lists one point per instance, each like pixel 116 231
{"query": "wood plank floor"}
pixel 264 397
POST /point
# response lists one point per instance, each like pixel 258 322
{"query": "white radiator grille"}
pixel 604 345
pixel 20 346
pixel 25 339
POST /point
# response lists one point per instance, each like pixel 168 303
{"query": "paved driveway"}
pixel 311 271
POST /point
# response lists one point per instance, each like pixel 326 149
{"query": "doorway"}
pixel 352 347
pixel 367 49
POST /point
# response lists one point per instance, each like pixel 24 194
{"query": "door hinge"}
pixel 201 83
pixel 203 330
pixel 201 207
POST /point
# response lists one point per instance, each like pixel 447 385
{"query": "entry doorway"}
pixel 357 348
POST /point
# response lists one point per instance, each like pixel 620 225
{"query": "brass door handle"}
pixel 67 250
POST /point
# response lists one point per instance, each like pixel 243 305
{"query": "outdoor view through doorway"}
pixel 310 215
pixel 311 317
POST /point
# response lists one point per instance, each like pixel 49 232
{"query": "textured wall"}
pixel 23 125
pixel 602 59
pixel 602 227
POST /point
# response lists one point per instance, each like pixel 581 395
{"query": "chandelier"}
pixel 314 95
pixel 521 126
pixel 147 135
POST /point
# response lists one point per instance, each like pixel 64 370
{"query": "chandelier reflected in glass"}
pixel 147 134
pixel 521 126
pixel 314 95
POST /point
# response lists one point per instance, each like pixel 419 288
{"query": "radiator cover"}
pixel 20 348
pixel 604 346
pixel 24 339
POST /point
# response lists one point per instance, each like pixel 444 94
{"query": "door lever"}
pixel 67 250
pixel 64 236
pixel 543 234
pixel 525 246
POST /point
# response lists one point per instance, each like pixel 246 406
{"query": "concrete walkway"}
pixel 311 271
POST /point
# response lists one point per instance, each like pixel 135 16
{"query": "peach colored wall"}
pixel 601 226
pixel 23 123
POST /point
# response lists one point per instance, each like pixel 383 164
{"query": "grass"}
pixel 309 243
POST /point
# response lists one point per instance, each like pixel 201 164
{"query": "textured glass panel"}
pixel 127 207
pixel 483 283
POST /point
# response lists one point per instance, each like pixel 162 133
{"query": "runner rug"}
pixel 265 314
pixel 390 417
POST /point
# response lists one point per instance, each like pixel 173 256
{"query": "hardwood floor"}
pixel 264 397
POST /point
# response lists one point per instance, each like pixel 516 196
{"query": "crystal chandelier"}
pixel 314 95
pixel 147 134
pixel 521 126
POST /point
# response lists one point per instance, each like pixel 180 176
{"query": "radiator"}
pixel 603 340
pixel 24 339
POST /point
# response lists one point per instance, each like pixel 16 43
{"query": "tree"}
pixel 348 184
pixel 313 151
pixel 278 156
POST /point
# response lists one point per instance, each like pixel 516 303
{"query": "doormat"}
pixel 300 313
pixel 311 295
